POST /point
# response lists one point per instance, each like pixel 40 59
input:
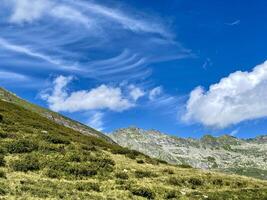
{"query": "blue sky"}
pixel 183 67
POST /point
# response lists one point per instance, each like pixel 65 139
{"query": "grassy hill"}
pixel 59 119
pixel 42 159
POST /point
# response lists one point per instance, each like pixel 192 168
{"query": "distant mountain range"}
pixel 225 153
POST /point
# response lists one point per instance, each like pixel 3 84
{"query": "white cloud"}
pixel 154 93
pixel 30 52
pixel 71 14
pixel 99 98
pixel 234 132
pixel 126 21
pixel 96 121
pixel 28 10
pixel 11 76
pixel 236 22
pixel 240 96
pixel 136 92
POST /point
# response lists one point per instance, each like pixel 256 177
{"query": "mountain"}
pixel 43 159
pixel 59 119
pixel 225 153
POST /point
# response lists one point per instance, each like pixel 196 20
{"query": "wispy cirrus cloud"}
pixel 12 76
pixel 67 34
pixel 30 52
pixel 96 121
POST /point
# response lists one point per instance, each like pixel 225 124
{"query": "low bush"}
pixel 143 192
pixel 74 157
pixel 83 186
pixel 132 154
pixel 26 163
pixel 21 146
pixel 3 133
pixel 144 174
pixel 121 175
pixel 195 182
pixel 176 181
pixel 218 182
pixel 2 174
pixel 2 160
pixel 56 139
pixel 51 173
pixel 81 169
pixel 2 191
pixel 140 161
pixel 171 195
pixel 185 166
pixel 2 150
pixel 168 171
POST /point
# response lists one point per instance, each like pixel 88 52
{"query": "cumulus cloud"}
pixel 136 92
pixel 154 93
pixel 239 97
pixel 99 98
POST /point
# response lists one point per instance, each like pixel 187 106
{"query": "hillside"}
pixel 224 153
pixel 62 120
pixel 41 159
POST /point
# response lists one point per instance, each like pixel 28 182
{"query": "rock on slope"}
pixel 41 159
pixel 227 153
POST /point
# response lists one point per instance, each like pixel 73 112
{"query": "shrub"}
pixel 26 163
pixel 2 160
pixel 74 157
pixel 88 186
pixel 143 192
pixel 2 150
pixel 171 195
pixel 218 182
pixel 132 154
pixel 140 161
pixel 195 182
pixel 122 175
pixel 3 134
pixel 143 174
pixel 2 174
pixel 81 169
pixel 185 166
pixel 1 118
pixel 176 181
pixel 168 171
pixel 21 146
pixel 51 173
pixel 2 191
pixel 56 139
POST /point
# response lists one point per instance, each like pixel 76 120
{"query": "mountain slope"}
pixel 40 159
pixel 62 120
pixel 225 153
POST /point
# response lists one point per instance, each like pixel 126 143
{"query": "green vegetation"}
pixel 40 159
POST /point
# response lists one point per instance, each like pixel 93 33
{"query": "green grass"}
pixel 40 159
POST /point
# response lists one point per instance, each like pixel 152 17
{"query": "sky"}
pixel 183 67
